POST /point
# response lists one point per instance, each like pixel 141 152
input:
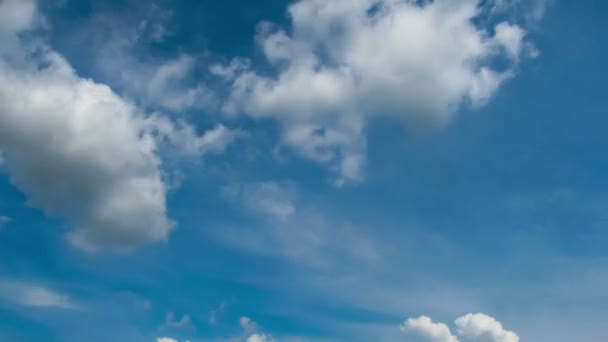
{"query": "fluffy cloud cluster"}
pixel 471 328
pixel 346 61
pixel 79 150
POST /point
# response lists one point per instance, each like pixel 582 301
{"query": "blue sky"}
pixel 344 170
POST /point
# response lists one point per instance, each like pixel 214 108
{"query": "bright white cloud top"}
pixel 471 328
pixel 480 327
pixel 424 327
pixel 344 62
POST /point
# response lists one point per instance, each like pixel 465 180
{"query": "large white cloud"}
pixel 345 61
pixel 471 328
pixel 80 151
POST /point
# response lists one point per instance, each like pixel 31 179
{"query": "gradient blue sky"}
pixel 405 198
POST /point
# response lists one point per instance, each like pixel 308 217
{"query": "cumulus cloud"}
pixel 80 151
pixel 483 328
pixel 432 332
pixel 471 328
pixel 344 62
pixel 32 295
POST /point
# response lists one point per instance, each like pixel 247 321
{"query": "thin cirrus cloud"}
pixel 121 58
pixel 471 328
pixel 270 199
pixel 171 321
pixel 409 60
pixel 32 295
pixel 79 150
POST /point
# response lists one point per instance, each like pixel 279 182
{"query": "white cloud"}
pixel 31 295
pixel 471 328
pixel 483 328
pixel 266 198
pixel 165 339
pixel 259 338
pixel 123 59
pixel 173 70
pixel 432 332
pixel 182 136
pixel 250 328
pixel 510 37
pixel 248 325
pixel 167 88
pixel 346 61
pixel 80 151
pixel 15 16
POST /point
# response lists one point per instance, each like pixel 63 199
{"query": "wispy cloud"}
pixel 32 295
pixel 171 321
pixel 5 220
pixel 271 199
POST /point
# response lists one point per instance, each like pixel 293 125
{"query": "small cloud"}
pixel 250 329
pixel 248 325
pixel 165 339
pixel 172 322
pixel 26 294
pixel 259 338
pixel 5 220
pixel 271 199
pixel 215 313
